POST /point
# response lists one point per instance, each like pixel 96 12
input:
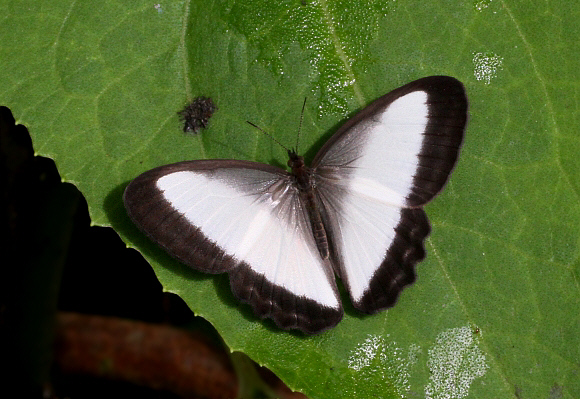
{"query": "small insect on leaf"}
pixel 196 114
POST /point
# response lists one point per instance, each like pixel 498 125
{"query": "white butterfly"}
pixel 355 213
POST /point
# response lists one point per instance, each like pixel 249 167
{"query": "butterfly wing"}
pixel 373 176
pixel 246 219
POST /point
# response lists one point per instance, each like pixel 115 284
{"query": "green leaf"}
pixel 495 310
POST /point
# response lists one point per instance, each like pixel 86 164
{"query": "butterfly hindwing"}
pixel 243 218
pixel 387 161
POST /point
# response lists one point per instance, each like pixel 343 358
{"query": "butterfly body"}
pixel 355 213
pixel 303 179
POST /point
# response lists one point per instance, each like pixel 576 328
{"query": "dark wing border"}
pixel 288 311
pixel 398 267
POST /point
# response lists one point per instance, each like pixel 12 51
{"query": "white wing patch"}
pixel 246 227
pixel 367 230
pixel 392 144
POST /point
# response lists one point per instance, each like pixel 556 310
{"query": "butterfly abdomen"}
pixel 316 223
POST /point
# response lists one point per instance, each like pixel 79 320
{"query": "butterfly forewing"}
pixel 389 159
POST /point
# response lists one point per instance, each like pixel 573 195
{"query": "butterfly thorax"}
pixel 301 174
pixel 300 171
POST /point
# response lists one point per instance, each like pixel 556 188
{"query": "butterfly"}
pixel 355 213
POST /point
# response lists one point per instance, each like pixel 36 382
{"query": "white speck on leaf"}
pixel 482 5
pixel 455 361
pixel 486 66
pixel 376 355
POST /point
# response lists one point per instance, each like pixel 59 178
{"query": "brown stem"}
pixel 157 356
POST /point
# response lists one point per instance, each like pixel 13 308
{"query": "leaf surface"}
pixel 495 310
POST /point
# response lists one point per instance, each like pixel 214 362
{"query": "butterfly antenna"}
pixel 300 126
pixel 269 135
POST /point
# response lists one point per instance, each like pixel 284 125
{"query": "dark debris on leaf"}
pixel 196 115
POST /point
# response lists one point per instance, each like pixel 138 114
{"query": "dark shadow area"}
pixel 55 261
